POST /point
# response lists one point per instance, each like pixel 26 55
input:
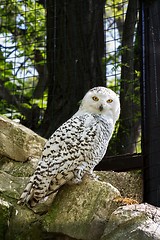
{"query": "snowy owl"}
pixel 76 147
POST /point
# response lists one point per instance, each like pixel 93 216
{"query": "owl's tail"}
pixel 32 194
pixel 27 193
pixel 35 190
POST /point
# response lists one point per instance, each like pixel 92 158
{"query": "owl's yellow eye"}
pixel 95 98
pixel 109 100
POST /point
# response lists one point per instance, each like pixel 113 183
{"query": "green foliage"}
pixel 115 9
pixel 22 55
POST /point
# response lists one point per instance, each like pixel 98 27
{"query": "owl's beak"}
pixel 101 107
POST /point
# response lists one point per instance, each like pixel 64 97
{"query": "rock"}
pixel 130 184
pixel 5 212
pixel 24 224
pixel 18 142
pixel 81 211
pixel 11 186
pixel 78 211
pixel 133 222
pixel 18 169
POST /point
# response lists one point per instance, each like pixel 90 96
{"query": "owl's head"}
pixel 103 101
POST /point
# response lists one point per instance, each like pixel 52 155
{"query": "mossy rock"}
pixel 18 169
pixel 24 224
pixel 85 211
pixel 5 213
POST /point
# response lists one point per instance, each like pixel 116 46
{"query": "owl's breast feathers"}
pixel 81 137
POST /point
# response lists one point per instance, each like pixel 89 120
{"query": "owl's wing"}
pixel 65 149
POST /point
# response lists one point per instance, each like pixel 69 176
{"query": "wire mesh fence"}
pixel 150 101
pixel 122 59
pixel 24 78
pixel 22 61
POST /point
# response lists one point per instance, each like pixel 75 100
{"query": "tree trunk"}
pixel 75 47
pixel 129 123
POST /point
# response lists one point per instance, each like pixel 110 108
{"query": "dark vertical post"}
pixel 150 89
pixel 75 49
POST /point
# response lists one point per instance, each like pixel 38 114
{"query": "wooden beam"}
pixel 121 163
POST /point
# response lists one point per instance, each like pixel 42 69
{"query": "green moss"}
pixel 22 232
pixel 4 218
pixel 17 169
pixel 24 224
